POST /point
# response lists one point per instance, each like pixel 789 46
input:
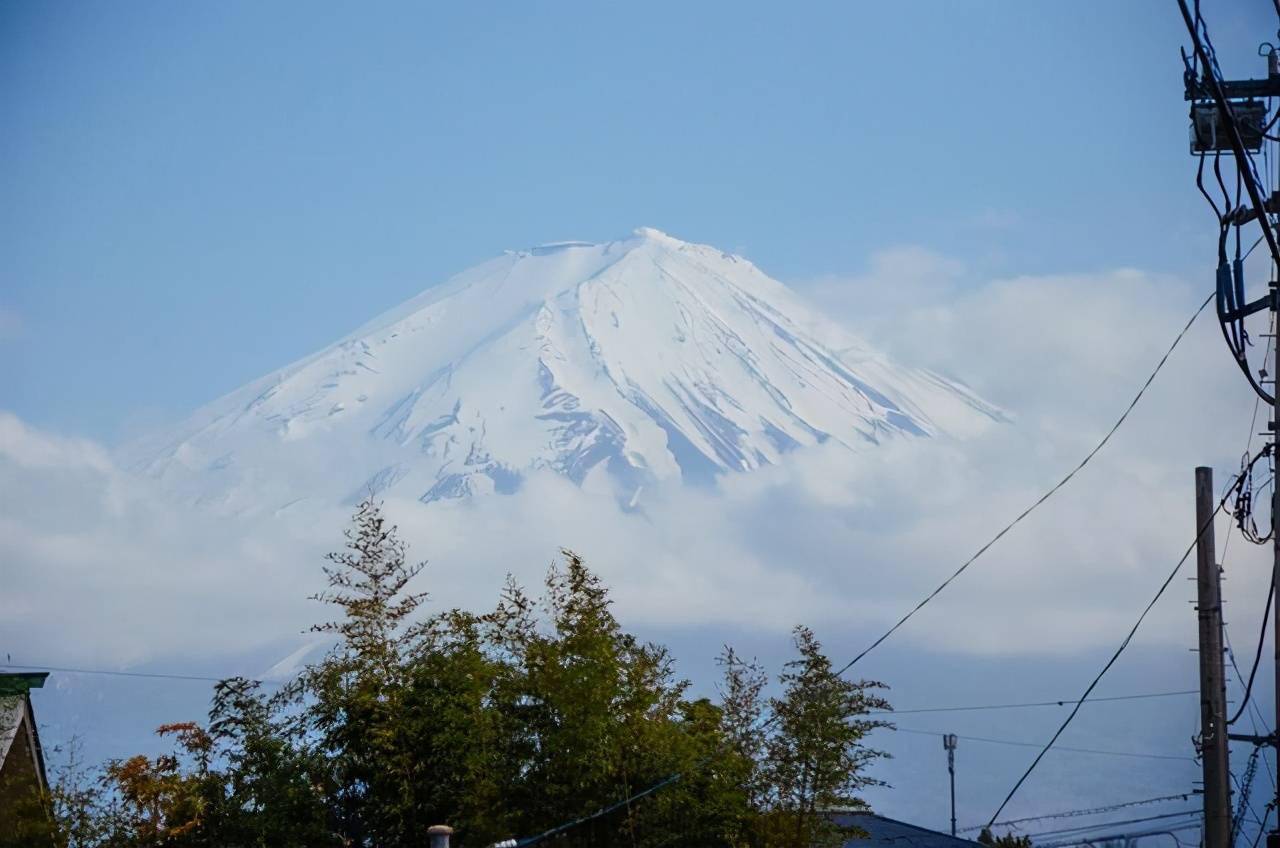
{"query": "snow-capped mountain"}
pixel 644 359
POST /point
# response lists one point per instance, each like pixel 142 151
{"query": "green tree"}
pixel 745 731
pixel 270 790
pixel 1007 840
pixel 595 714
pixel 451 726
pixel 541 713
pixel 816 757
pixel 356 696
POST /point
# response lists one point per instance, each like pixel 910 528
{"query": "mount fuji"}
pixel 642 360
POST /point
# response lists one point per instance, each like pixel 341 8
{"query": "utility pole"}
pixel 949 743
pixel 1273 838
pixel 1213 684
pixel 1229 116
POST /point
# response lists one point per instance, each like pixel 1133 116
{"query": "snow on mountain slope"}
pixel 645 359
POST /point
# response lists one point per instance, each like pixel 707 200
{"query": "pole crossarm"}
pixel 1233 89
pixel 1267 301
pixel 1268 740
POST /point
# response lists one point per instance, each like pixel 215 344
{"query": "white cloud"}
pixel 100 568
pixel 1065 353
pixel 26 447
pixel 897 280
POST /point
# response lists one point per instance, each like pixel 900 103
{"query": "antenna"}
pixel 949 741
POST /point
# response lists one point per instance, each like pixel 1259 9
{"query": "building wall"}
pixel 24 817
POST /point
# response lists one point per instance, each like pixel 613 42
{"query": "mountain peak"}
pixel 574 358
pixel 654 234
pixel 639 236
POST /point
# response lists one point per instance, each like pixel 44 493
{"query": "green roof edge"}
pixel 22 682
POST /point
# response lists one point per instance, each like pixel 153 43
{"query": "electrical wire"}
pixel 1257 657
pixel 1234 334
pixel 1101 752
pixel 1244 788
pixel 1131 754
pixel 1100 825
pixel 1255 717
pixel 1062 703
pixel 1120 650
pixel 1245 497
pixel 1088 457
pixel 146 674
pixel 1086 811
pixel 966 708
pixel 1108 837
pixel 1266 814
pixel 530 840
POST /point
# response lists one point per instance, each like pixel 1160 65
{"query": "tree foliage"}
pixel 1007 840
pixel 537 714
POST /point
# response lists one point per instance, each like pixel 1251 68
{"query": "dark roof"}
pixel 20 683
pixel 891 833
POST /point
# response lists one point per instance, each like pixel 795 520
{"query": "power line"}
pixel 1266 814
pixel 1244 788
pixel 1100 825
pixel 192 677
pixel 673 778
pixel 598 813
pixel 1175 827
pixel 1087 811
pixel 1136 754
pixel 1123 645
pixel 1254 715
pixel 146 674
pixel 1062 703
pixel 1248 687
pixel 1107 837
pixel 1089 456
pixel 1257 657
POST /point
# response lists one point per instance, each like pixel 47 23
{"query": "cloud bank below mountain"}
pixel 102 569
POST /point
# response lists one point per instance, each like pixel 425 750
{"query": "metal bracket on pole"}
pixel 1269 739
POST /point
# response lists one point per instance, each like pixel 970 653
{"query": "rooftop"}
pixel 891 833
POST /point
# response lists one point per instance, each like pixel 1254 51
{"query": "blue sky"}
pixel 194 194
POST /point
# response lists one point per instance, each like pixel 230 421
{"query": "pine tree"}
pixel 357 694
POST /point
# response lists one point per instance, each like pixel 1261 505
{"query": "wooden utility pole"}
pixel 1213 684
pixel 1273 290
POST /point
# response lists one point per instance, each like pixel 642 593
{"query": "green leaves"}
pixel 816 757
pixel 509 723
